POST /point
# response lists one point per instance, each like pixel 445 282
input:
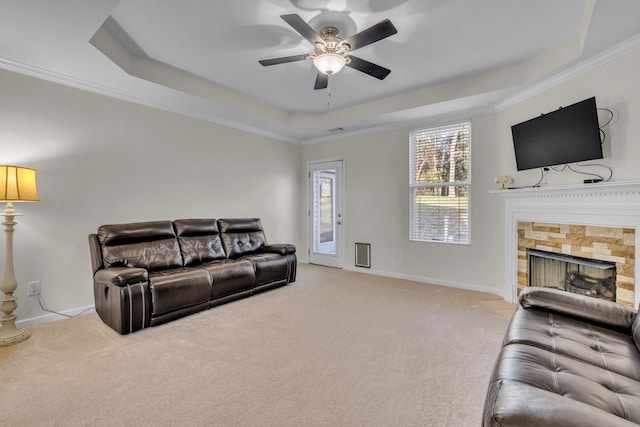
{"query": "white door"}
pixel 325 213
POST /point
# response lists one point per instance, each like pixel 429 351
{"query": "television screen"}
pixel 568 135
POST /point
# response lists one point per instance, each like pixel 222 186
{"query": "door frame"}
pixel 339 229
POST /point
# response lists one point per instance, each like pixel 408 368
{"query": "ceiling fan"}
pixel 331 52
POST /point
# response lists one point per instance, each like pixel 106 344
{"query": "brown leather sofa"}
pixel 567 360
pixel 149 273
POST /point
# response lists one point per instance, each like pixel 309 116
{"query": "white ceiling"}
pixel 450 58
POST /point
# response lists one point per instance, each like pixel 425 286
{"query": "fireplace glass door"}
pixel 579 275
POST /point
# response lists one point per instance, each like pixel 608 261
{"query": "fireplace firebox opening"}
pixel 570 273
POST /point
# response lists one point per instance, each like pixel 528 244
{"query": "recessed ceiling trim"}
pixel 592 63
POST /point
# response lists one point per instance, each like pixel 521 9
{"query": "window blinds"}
pixel 439 183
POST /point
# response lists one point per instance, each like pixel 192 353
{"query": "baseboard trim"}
pixel 429 280
pixel 52 317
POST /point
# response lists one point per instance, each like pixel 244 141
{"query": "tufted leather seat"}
pixel 597 345
pixel 567 360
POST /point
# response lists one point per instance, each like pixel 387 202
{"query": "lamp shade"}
pixel 18 184
pixel 329 63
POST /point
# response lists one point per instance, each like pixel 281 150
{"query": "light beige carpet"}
pixel 335 348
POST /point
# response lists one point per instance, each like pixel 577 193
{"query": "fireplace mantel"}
pixel 572 190
pixel 608 204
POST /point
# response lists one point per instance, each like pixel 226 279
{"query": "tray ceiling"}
pixel 449 59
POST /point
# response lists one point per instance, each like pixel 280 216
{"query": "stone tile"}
pixel 548 228
pixel 625 296
pixel 523 279
pixel 625 269
pixel 579 240
pixel 629 252
pixel 629 239
pixel 548 248
pixel 545 224
pixel 600 245
pixel 535 235
pixel 578 252
pixel 523 244
pixel 577 230
pixel 589 241
pixel 596 250
pixel 608 258
pixel 611 232
pixel 525 225
pixel 522 264
pixel 566 249
pixel 625 282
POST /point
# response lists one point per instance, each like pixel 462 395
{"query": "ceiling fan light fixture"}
pixel 329 63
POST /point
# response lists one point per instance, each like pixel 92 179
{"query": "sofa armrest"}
pixel 121 276
pixel 96 253
pixel 279 248
pixel 583 307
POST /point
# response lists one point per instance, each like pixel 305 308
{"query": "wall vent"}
pixel 363 255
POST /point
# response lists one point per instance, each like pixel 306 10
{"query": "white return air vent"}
pixel 363 255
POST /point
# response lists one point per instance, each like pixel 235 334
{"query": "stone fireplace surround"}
pixel 614 205
pixel 613 244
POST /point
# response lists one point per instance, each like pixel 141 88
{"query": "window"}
pixel 439 183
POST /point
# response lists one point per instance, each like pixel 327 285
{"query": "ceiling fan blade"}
pixel 283 60
pixel 322 81
pixel 303 28
pixel 379 31
pixel 368 67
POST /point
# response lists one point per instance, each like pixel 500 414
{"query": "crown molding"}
pixel 66 80
pixel 572 72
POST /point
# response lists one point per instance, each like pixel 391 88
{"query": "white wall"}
pixel 100 160
pixel 615 86
pixel 377 179
pixel 377 210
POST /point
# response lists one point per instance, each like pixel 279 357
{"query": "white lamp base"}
pixel 16 336
pixel 9 334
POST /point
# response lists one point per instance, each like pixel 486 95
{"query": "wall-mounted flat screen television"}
pixel 567 135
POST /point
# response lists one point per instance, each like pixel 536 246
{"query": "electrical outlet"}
pixel 34 288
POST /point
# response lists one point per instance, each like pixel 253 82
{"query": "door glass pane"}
pixel 324 211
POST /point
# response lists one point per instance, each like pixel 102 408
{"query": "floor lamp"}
pixel 17 184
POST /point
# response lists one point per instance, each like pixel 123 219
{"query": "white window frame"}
pixel 414 185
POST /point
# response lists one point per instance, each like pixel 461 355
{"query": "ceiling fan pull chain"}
pixel 328 97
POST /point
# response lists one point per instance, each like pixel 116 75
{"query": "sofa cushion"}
pixel 576 339
pixel 553 389
pixel 175 289
pixel 269 267
pixel 516 404
pixel 241 236
pixel 199 240
pixel 279 248
pixel 150 245
pixel 229 276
